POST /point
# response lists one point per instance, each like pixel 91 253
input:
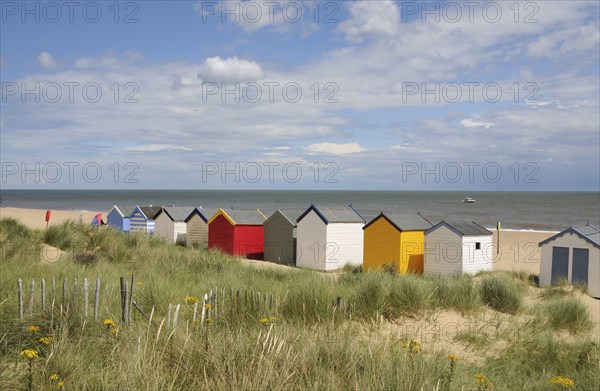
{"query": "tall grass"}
pixel 565 313
pixel 315 343
pixel 501 293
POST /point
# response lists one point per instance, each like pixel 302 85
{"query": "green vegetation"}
pixel 501 293
pixel 327 332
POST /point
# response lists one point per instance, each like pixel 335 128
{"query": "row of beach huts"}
pixel 326 238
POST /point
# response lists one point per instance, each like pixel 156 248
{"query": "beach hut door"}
pixel 560 264
pixel 580 265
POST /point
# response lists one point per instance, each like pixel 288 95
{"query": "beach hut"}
pixel 237 232
pixel 197 226
pixel 169 223
pixel 118 217
pixel 280 236
pixel 457 247
pixel 142 218
pixel 395 241
pixel 329 238
pixel 572 255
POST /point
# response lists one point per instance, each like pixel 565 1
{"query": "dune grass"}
pixel 313 344
pixel 501 293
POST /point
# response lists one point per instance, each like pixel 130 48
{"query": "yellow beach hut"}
pixel 396 241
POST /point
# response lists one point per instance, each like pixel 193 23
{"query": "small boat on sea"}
pixel 468 200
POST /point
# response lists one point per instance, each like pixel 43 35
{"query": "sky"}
pixel 329 95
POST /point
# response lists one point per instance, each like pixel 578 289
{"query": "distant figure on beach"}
pixel 98 221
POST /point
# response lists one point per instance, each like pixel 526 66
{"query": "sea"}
pixel 535 211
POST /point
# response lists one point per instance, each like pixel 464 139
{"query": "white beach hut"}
pixel 572 255
pixel 329 238
pixel 457 247
pixel 170 225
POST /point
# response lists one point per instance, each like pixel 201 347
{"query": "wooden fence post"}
pixel 130 301
pixel 86 296
pixel 97 298
pixel 64 295
pixel 43 293
pixel 31 293
pixel 124 300
pixel 20 287
pixel 176 315
pixel 53 292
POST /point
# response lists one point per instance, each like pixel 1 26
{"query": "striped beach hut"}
pixel 572 255
pixel 197 226
pixel 457 247
pixel 169 223
pixel 329 238
pixel 142 218
pixel 118 217
pixel 395 241
pixel 280 236
pixel 237 232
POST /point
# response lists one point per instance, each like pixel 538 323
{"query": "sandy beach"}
pixel 35 218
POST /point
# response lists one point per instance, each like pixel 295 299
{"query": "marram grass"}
pixel 308 344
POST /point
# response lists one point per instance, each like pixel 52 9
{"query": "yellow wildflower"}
pixel 109 323
pixel 273 319
pixel 413 346
pixel 61 384
pixel 45 340
pixel 54 377
pixel 264 320
pixel 191 299
pixel 483 383
pixel 114 330
pixel 33 329
pixel 139 283
pixel 562 383
pixel 453 357
pixel 207 306
pixel 29 354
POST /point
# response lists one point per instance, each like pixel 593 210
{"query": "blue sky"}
pixel 164 119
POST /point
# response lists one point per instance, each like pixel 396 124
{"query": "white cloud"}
pixel 371 18
pixel 109 60
pixel 471 123
pixel 46 60
pixel 231 69
pixel 336 149
pixel 157 148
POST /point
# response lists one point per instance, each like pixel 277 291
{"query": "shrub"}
pixel 501 293
pixel 566 313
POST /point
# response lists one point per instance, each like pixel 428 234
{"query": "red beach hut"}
pixel 238 232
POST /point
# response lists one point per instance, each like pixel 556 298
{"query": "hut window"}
pixel 477 245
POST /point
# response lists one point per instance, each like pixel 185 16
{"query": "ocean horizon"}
pixel 516 210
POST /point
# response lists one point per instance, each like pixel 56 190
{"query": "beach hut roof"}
pixel 462 228
pixel 205 214
pixel 404 222
pixel 290 214
pixel 150 212
pixel 124 211
pixel 241 216
pixel 334 215
pixel 176 213
pixel 588 232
